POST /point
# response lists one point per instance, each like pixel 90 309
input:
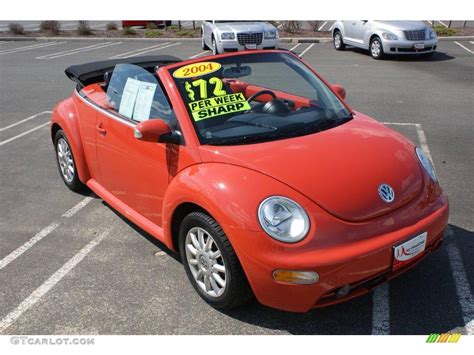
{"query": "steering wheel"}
pixel 261 92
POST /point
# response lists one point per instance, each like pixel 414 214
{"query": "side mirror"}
pixel 151 130
pixel 338 89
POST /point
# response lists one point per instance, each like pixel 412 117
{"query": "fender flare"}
pixel 66 117
pixel 231 194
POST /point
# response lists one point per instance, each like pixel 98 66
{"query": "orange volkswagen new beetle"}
pixel 255 170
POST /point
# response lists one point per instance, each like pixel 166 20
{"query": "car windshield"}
pixel 256 97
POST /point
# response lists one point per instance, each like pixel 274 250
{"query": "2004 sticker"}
pixel 196 69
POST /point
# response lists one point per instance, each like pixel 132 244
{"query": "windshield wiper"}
pixel 249 123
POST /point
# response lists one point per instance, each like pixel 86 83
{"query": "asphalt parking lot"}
pixel 70 265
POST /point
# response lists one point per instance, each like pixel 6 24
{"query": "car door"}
pixel 359 29
pixel 133 171
pixel 352 32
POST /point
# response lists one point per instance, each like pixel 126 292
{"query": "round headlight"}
pixel 283 219
pixel 426 163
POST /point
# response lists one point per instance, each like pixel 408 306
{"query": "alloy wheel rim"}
pixel 66 163
pixel 375 48
pixel 337 40
pixel 214 47
pixel 206 262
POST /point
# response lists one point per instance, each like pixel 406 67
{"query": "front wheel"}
pixel 214 47
pixel 211 263
pixel 376 48
pixel 66 162
pixel 338 42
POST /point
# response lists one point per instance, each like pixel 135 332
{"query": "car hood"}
pixel 340 169
pixel 400 25
pixel 244 26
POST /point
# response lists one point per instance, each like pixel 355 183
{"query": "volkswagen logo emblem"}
pixel 386 193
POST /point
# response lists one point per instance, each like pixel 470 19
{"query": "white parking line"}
pixel 460 45
pixel 124 55
pixel 463 289
pixel 23 134
pixel 445 25
pixel 307 49
pixel 17 252
pixel 322 26
pixel 43 233
pixel 152 50
pixel 26 48
pixel 24 120
pixel 472 42
pixel 78 50
pixel 72 211
pixel 381 310
pixel 294 47
pixel 37 294
pixel 199 54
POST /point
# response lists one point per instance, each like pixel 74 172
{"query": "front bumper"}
pixel 235 46
pixel 408 47
pixel 361 264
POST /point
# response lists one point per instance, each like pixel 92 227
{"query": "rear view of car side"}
pixel 383 38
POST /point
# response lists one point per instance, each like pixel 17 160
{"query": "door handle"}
pixel 102 131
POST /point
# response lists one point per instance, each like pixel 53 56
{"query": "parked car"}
pixel 255 170
pixel 233 36
pixel 385 37
pixel 145 23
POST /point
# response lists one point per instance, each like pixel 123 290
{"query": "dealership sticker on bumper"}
pixel 405 253
pixel 419 45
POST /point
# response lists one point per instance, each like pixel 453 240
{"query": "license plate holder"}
pixel 250 46
pixel 419 46
pixel 408 251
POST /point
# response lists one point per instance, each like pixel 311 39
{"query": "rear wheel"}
pixel 376 48
pixel 66 162
pixel 338 42
pixel 211 263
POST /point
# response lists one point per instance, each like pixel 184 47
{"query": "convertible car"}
pixel 254 169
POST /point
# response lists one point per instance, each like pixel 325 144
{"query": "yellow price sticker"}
pixel 217 106
pixel 196 69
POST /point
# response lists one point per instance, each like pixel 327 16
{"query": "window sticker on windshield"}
pixel 217 106
pixel 196 69
pixel 146 93
pixel 127 103
pixel 137 99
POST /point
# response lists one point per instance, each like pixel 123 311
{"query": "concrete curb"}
pixel 125 39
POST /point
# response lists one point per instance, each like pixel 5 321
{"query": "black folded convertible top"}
pixel 93 72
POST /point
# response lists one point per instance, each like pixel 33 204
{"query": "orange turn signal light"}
pixel 296 277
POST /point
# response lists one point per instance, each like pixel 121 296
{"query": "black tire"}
pixel 341 45
pixel 237 290
pixel 204 46
pixel 214 46
pixel 73 184
pixel 376 54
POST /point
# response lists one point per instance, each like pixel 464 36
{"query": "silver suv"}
pixel 233 36
pixel 385 37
